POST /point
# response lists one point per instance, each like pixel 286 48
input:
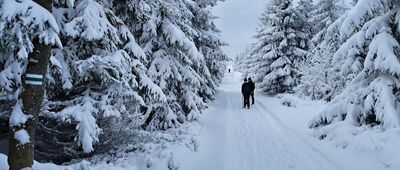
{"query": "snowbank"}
pixel 83 165
pixel 349 146
pixel 46 166
pixel 152 151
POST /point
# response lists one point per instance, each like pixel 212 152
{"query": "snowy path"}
pixel 270 136
pixel 241 139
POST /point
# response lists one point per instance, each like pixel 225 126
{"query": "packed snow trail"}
pixel 248 139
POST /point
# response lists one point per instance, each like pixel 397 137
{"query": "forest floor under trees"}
pixel 270 135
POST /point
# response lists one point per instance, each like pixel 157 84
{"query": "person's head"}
pixel 245 79
pixel 249 79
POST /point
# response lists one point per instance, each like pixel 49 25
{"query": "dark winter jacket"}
pixel 253 86
pixel 246 89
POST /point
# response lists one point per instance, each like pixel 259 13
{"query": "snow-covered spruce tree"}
pixel 212 66
pixel 167 32
pixel 92 83
pixel 280 44
pixel 325 25
pixel 372 98
pixel 28 30
pixel 305 8
pixel 172 58
pixel 135 15
pixel 324 14
pixel 242 60
pixel 141 17
pixel 209 42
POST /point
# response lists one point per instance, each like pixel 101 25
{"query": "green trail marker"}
pixel 34 79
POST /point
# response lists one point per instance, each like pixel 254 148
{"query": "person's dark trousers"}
pixel 252 97
pixel 246 100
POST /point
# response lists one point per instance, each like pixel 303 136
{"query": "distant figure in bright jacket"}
pixel 246 91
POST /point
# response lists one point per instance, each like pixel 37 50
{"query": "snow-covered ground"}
pixel 272 136
pixel 268 136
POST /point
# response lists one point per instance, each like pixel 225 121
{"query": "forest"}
pixel 104 84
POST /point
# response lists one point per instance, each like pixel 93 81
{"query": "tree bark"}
pixel 21 155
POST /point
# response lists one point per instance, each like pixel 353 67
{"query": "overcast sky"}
pixel 238 20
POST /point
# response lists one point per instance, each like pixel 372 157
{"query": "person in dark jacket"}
pixel 253 87
pixel 246 91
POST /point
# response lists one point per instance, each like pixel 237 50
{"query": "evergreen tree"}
pixel 327 83
pixel 281 44
pixel 323 15
pixel 170 53
pixel 209 42
pixel 372 96
pixel 242 60
pixel 182 47
pixel 305 8
pixel 94 89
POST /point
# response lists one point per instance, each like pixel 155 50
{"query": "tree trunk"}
pixel 21 155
